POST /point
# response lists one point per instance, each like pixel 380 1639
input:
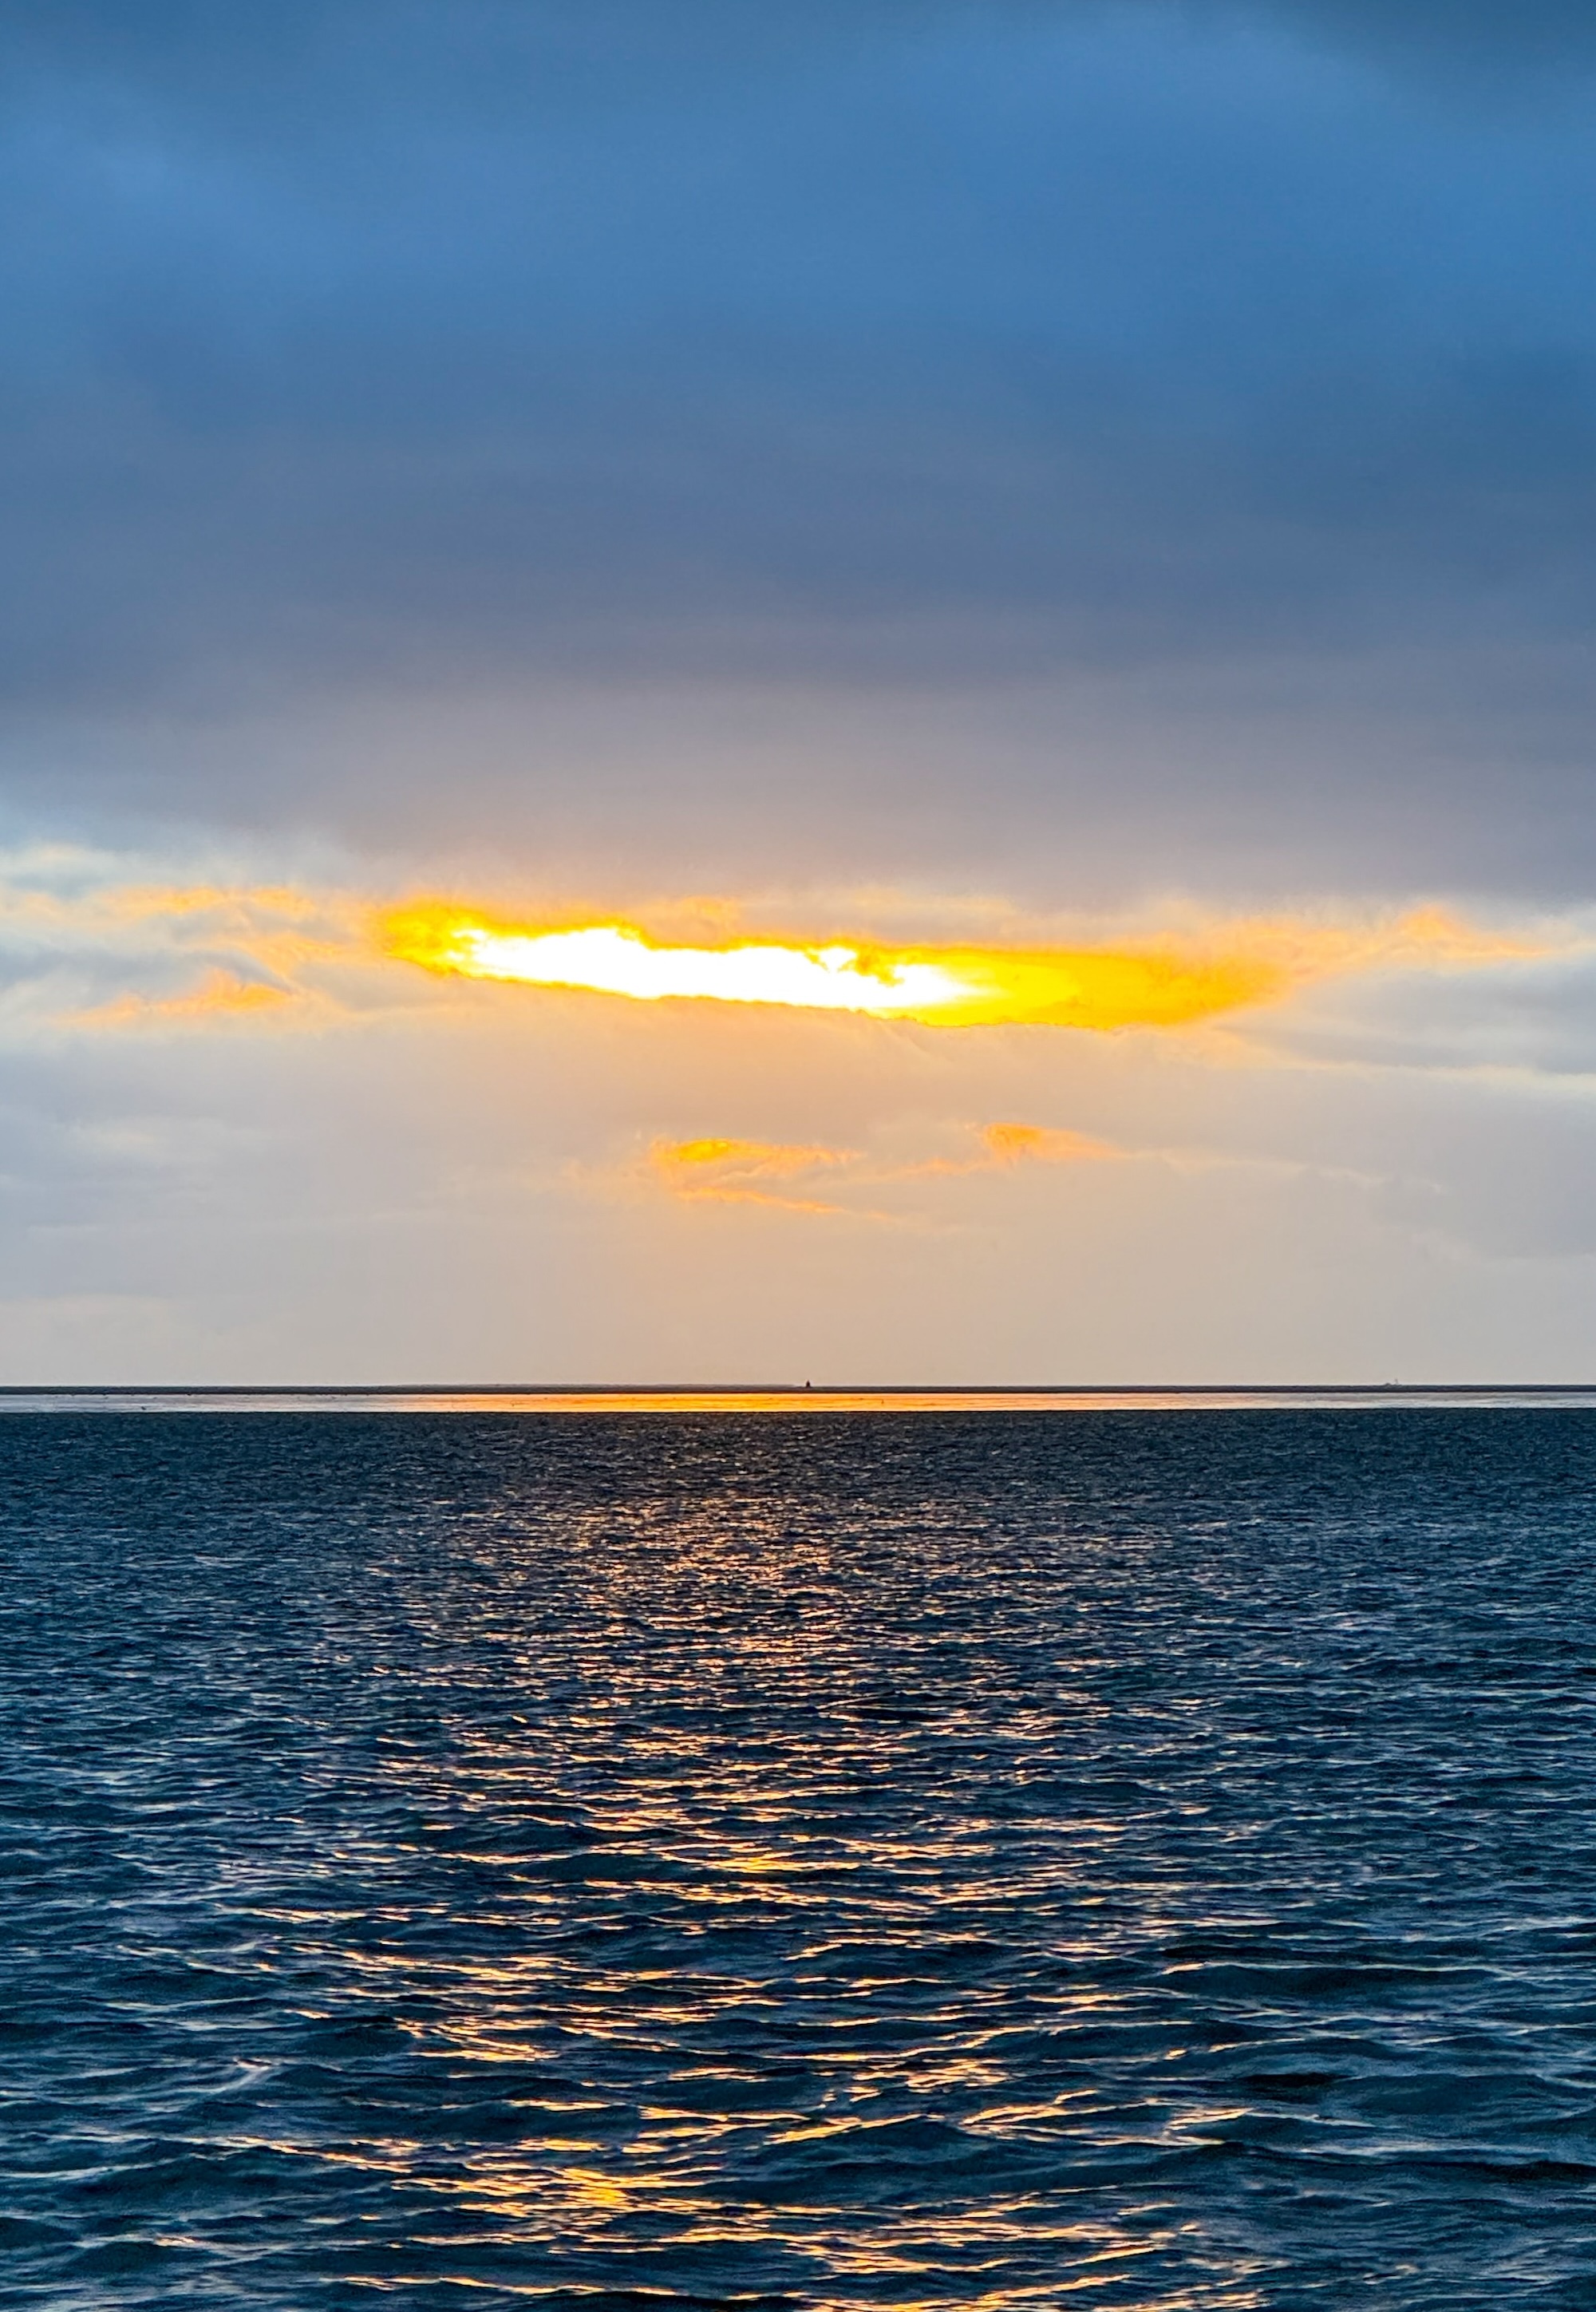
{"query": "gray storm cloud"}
pixel 890 456
pixel 1115 432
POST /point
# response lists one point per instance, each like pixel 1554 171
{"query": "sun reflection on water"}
pixel 880 1861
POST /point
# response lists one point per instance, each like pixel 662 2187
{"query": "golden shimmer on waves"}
pixel 939 986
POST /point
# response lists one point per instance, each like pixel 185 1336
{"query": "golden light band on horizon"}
pixel 937 986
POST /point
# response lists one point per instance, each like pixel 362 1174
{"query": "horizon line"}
pixel 798 1389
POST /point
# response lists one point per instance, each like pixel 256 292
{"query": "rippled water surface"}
pixel 1002 1859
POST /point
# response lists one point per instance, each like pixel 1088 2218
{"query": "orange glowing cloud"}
pixel 766 1172
pixel 1164 984
pixel 295 924
pixel 937 986
pixel 244 905
pixel 693 1156
pixel 260 943
pixel 247 952
pixel 220 995
pixel 1038 1143
pixel 741 1171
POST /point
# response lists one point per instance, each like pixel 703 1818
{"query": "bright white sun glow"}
pixel 617 961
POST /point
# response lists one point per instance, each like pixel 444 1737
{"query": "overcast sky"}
pixel 1041 472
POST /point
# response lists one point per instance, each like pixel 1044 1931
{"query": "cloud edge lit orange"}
pixel 1099 989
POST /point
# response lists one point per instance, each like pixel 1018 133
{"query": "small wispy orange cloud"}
pixel 745 1171
pixel 1033 1144
pixel 220 995
pixel 1040 1143
pixel 245 904
pixel 251 917
pixel 741 1171
pixel 259 951
pixel 1003 1146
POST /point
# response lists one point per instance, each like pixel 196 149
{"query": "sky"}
pixel 757 690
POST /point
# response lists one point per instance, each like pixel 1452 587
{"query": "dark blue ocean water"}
pixel 1003 1861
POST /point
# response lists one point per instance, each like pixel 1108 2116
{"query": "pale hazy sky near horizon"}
pixel 1111 479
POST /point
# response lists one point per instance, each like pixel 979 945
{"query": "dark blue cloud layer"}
pixel 365 344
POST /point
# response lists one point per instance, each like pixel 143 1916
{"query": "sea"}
pixel 795 1852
